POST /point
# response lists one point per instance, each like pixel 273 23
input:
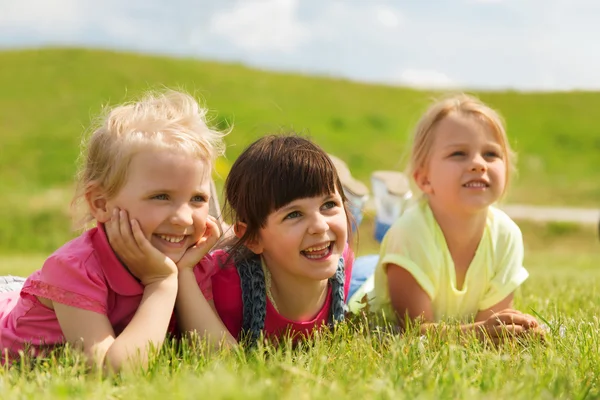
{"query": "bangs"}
pixel 273 172
pixel 270 174
pixel 307 174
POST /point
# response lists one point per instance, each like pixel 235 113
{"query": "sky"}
pixel 526 45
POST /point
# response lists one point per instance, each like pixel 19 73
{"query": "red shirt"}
pixel 227 296
pixel 84 273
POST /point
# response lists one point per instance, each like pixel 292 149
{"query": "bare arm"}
pixel 194 312
pixel 505 304
pixel 94 334
pixel 148 327
pixel 411 303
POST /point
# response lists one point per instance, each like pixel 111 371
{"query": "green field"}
pixel 48 98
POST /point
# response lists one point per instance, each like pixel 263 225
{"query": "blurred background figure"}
pixel 392 194
pixel 356 192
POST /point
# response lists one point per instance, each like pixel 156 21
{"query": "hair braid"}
pixel 338 305
pixel 254 299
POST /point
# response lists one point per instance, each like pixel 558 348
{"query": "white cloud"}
pixel 261 25
pixel 345 29
pixel 424 78
pixel 475 43
pixel 388 17
pixel 58 18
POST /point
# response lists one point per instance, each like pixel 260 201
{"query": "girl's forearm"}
pixel 194 313
pixel 147 328
pixel 443 329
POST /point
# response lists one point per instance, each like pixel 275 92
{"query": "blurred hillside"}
pixel 49 97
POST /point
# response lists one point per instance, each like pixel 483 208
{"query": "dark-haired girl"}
pixel 287 270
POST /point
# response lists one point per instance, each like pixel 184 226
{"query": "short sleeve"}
pixel 408 249
pixel 71 281
pixel 507 273
pixel 204 271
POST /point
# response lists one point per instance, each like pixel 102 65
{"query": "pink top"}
pixel 227 296
pixel 84 273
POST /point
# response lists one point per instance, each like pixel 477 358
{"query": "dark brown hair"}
pixel 271 173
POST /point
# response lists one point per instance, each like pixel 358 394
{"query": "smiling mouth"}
pixel 477 185
pixel 171 238
pixel 318 252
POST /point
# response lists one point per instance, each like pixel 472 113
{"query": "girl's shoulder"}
pixel 221 267
pixel 89 263
pixel 76 254
pixel 91 252
pixel 217 260
pixel 416 225
pixel 501 226
pixel 417 214
pixel 75 275
pixel 81 246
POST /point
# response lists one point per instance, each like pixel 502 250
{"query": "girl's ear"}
pixel 422 180
pixel 239 228
pixel 253 245
pixel 97 203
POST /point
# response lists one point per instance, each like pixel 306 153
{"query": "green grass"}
pixel 349 364
pixel 49 96
pixel 356 362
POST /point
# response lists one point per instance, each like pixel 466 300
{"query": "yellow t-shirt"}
pixel 416 243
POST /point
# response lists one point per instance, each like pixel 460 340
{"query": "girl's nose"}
pixel 182 215
pixel 478 164
pixel 318 224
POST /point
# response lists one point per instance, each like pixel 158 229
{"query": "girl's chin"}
pixel 175 257
pixel 175 254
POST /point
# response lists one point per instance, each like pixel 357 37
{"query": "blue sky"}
pixel 483 44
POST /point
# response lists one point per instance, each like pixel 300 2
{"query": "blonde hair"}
pixel 466 106
pixel 165 120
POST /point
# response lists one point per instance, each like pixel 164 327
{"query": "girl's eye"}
pixel 293 214
pixel 458 154
pixel 329 205
pixel 199 199
pixel 160 197
pixel 492 154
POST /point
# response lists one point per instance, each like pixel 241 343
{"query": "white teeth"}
pixel 172 239
pixel 476 184
pixel 312 256
pixel 311 249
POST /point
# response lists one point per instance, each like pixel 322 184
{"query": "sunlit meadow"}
pixel 47 101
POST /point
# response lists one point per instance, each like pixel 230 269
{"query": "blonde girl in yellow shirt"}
pixel 453 255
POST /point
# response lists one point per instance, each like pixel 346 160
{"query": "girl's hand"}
pixel 194 254
pixel 141 258
pixel 508 324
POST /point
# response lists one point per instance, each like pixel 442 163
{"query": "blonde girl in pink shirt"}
pixel 146 171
